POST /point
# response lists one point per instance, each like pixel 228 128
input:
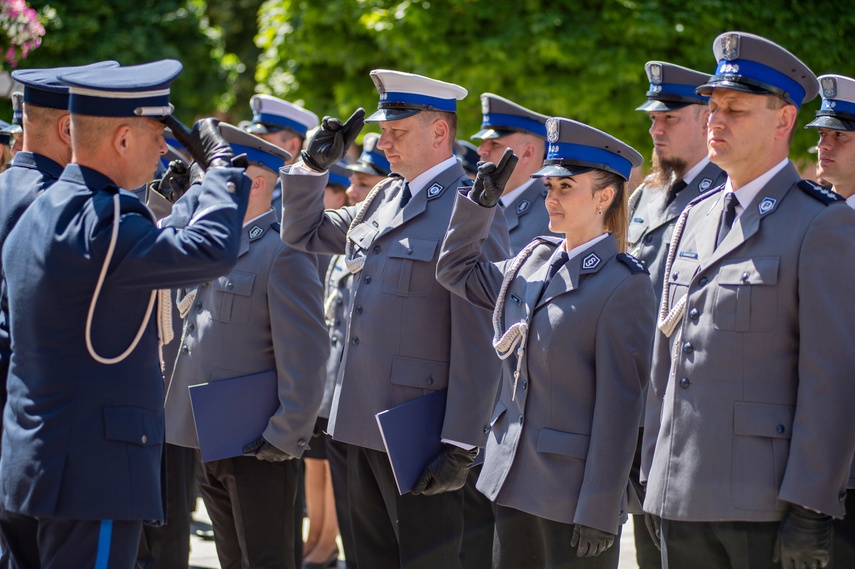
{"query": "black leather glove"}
pixel 174 182
pixel 446 472
pixel 263 450
pixel 204 143
pixel 491 179
pixel 804 539
pixel 330 142
pixel 590 542
pixel 654 528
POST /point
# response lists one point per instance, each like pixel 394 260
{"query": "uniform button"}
pixel 429 381
pixel 359 309
pixel 703 281
pixel 185 349
pixel 377 249
pixel 521 419
pixel 674 275
pixel 334 341
pixel 355 340
pixel 338 322
pixel 191 327
pixel 339 302
pixel 486 429
pixel 688 347
pixel 684 383
pixel 745 276
pixel 199 305
pixel 367 279
pixel 525 384
pixel 694 314
pixel 230 187
pixel 781 429
pixel 409 251
pixel 301 443
pixel 230 286
pixel 648 238
pixel 143 439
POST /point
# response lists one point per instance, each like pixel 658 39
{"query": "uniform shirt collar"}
pixel 578 250
pixel 695 170
pixel 257 217
pixel 509 197
pixel 418 183
pixel 850 201
pixel 749 191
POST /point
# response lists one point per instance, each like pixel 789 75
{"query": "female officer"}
pixel 574 321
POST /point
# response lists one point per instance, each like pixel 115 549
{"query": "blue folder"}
pixel 231 413
pixel 412 435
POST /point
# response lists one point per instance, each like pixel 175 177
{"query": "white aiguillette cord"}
pixel 164 316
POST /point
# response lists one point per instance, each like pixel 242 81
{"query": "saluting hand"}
pixel 491 179
pixel 330 142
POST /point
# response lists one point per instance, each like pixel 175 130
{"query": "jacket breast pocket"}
pixel 635 232
pixel 682 272
pixel 409 269
pixel 746 298
pixel 231 297
pixel 761 447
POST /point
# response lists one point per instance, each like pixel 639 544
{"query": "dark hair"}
pixel 616 216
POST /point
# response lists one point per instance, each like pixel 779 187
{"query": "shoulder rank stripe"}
pixel 821 193
pixel 635 266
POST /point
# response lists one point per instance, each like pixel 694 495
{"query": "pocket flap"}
pixel 235 283
pixel 411 248
pixel 760 271
pixel 683 270
pixel 568 444
pixel 763 420
pixel 133 425
pixel 422 374
pixel 636 230
pixel 363 234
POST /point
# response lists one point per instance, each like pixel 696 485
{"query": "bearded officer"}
pixel 752 363
pixel 392 243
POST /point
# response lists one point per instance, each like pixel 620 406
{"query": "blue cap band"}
pixel 589 155
pixel 499 121
pixel 418 101
pixel 42 98
pixel 338 179
pixel 678 89
pixel 375 159
pixel 838 106
pixel 281 121
pixel 269 161
pixel 113 107
pixel 738 68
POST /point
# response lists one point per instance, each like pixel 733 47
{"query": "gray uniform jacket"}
pixel 265 314
pixel 651 221
pixel 337 307
pixel 757 402
pixel 407 335
pixel 561 446
pixel 527 216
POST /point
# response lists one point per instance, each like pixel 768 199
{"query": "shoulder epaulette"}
pixel 821 193
pixel 635 266
pixel 276 226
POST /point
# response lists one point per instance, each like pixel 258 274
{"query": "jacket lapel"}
pixel 587 262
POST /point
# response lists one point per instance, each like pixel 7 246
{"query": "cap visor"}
pixel 654 105
pixel 832 123
pixel 383 115
pixel 491 133
pixel 365 169
pixel 258 128
pixel 560 171
pixel 705 90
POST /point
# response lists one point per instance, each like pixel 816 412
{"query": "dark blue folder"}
pixel 231 413
pixel 412 434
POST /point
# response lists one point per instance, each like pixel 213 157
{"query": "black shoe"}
pixel 331 562
pixel 202 530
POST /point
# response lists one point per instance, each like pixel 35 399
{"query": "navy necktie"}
pixel 727 217
pixel 675 189
pixel 405 195
pixel 554 267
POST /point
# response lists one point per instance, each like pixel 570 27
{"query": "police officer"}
pixel 752 363
pixel 573 322
pixel 264 315
pixel 681 171
pixel 83 428
pixel 506 124
pixel 835 122
pixel 46 151
pixel 406 334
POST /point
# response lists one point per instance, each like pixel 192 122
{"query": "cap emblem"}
pixel 730 46
pixel 255 104
pixel 552 130
pixel 829 87
pixel 656 73
pixel 729 68
pixel 485 106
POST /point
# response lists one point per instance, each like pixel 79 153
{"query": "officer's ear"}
pixel 440 131
pixel 63 128
pixel 122 139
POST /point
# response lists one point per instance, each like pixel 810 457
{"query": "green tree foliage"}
pixel 138 31
pixel 581 59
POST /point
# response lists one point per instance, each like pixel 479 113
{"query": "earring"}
pixel 600 211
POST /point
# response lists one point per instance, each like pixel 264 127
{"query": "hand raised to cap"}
pixel 330 142
pixel 491 179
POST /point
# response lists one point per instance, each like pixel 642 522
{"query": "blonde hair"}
pixel 616 218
